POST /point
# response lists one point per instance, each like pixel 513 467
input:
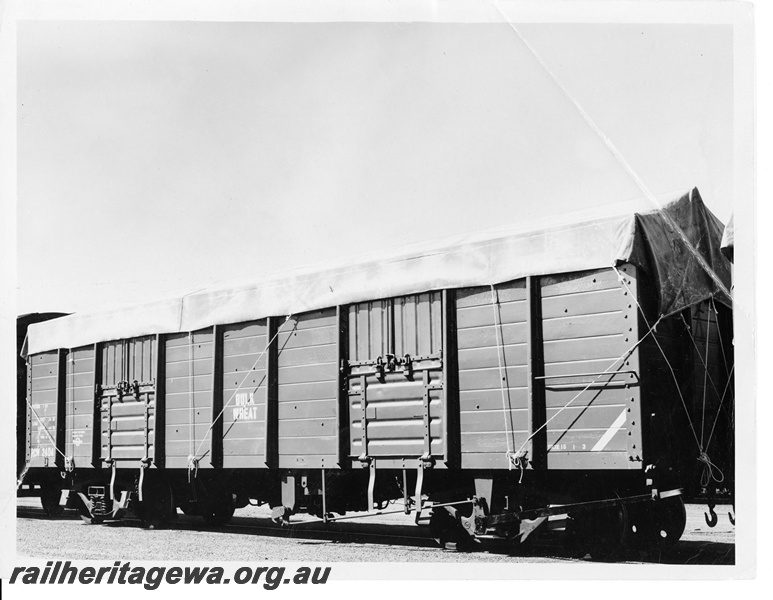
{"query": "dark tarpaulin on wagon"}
pixel 681 248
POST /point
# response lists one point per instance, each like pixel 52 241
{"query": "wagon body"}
pixel 552 387
pixel 314 398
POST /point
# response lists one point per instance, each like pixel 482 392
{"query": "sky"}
pixel 159 157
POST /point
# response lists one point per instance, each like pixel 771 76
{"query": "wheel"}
pixel 217 515
pixel 607 532
pixel 49 500
pixel 670 519
pixel 157 506
pixel 657 526
pixel 218 511
pixel 448 532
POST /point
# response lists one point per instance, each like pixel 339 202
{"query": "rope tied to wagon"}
pixel 520 462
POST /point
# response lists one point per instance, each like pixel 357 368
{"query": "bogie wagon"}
pixel 576 377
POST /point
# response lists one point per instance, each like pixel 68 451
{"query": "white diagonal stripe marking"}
pixel 610 433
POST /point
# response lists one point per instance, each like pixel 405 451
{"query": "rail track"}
pixel 390 538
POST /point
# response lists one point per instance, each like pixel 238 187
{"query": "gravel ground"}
pixel 251 536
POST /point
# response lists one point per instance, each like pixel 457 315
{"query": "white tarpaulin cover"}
pixel 641 235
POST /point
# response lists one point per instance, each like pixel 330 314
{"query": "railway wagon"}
pixel 43 483
pixel 577 376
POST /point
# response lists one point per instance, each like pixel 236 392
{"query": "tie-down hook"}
pixel 711 521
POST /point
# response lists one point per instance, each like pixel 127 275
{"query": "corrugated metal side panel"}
pixel 244 394
pixel 494 414
pixel 395 416
pixel 43 378
pixel 418 324
pixel 589 321
pixel 112 363
pixel 188 371
pixel 128 360
pixel 141 359
pixel 79 405
pixel 307 374
pixel 370 329
pixel 123 434
pixel 406 325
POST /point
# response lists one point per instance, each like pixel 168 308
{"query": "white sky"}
pixel 158 156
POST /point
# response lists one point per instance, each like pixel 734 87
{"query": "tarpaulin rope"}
pixel 705 375
pixel 193 457
pixel 710 470
pixel 68 460
pixel 728 369
pixel 503 388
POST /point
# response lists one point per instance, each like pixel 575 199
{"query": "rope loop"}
pixel 710 470
pixel 518 460
pixel 193 466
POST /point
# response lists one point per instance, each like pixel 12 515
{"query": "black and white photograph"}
pixel 317 292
